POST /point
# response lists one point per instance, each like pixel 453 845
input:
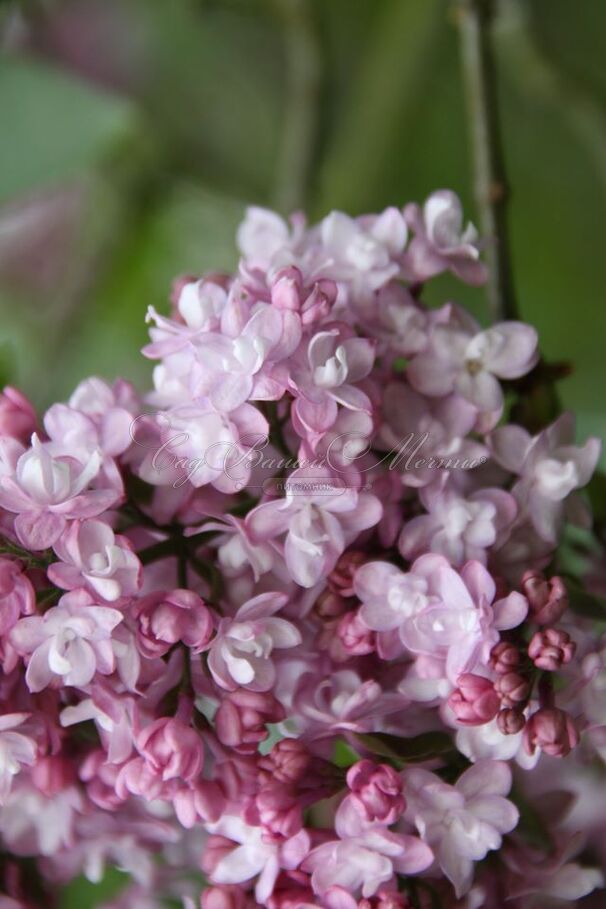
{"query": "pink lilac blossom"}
pixel 291 618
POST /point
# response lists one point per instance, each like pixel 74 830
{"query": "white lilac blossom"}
pixel 292 617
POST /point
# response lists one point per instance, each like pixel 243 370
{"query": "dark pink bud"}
pixel 242 717
pixel 475 701
pixel 290 760
pixel 319 302
pixel 17 415
pixel 17 595
pixel 548 600
pixel 504 657
pixel 355 636
pixel 377 791
pixel 551 648
pixel 171 749
pixel 164 618
pixel 278 810
pixel 340 579
pixel 552 730
pixel 512 688
pixel 510 721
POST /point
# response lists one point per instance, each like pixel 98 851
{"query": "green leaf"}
pixel 407 751
pixel 344 756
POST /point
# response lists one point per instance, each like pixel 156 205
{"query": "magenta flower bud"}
pixel 504 657
pixel 377 791
pixel 290 760
pixel 552 730
pixel 242 717
pixel 340 579
pixel 548 600
pixel 475 701
pixel 277 810
pixel 171 749
pixel 512 688
pixel 354 635
pixel 17 415
pixel 52 775
pixel 551 648
pixel 286 289
pixel 165 618
pixel 223 896
pixel 510 721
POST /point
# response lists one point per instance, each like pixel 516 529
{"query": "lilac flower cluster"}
pixel 293 620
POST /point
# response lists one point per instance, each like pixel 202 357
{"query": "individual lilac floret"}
pixel 93 556
pixel 440 243
pixel 457 527
pixel 550 468
pixel 241 652
pixel 70 642
pixel 462 823
pixel 462 358
pixel 46 491
pixel 319 516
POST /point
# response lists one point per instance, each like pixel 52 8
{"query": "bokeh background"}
pixel 134 132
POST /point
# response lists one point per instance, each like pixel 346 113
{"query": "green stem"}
pixel 474 19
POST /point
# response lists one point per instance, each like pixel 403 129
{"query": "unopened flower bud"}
pixel 512 688
pixel 504 657
pixel 552 730
pixel 551 648
pixel 510 721
pixel 548 599
pixel 474 701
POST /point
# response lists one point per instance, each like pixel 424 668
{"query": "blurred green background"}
pixel 134 132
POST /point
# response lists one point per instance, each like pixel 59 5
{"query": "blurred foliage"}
pixel 135 132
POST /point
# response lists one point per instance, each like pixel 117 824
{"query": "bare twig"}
pixel 474 19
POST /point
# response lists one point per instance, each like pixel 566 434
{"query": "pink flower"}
pixel 457 527
pixel 171 749
pixel 17 749
pixel 335 361
pixel 462 823
pixel 92 556
pixel 46 491
pixel 474 701
pixel 111 409
pixel 17 415
pixel 17 596
pixel 166 617
pixel 241 653
pixel 320 518
pixel 552 730
pixel 550 468
pixel 440 243
pixel 251 855
pixel 461 358
pixel 364 857
pixel 70 642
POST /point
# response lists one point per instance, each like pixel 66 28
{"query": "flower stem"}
pixel 474 19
